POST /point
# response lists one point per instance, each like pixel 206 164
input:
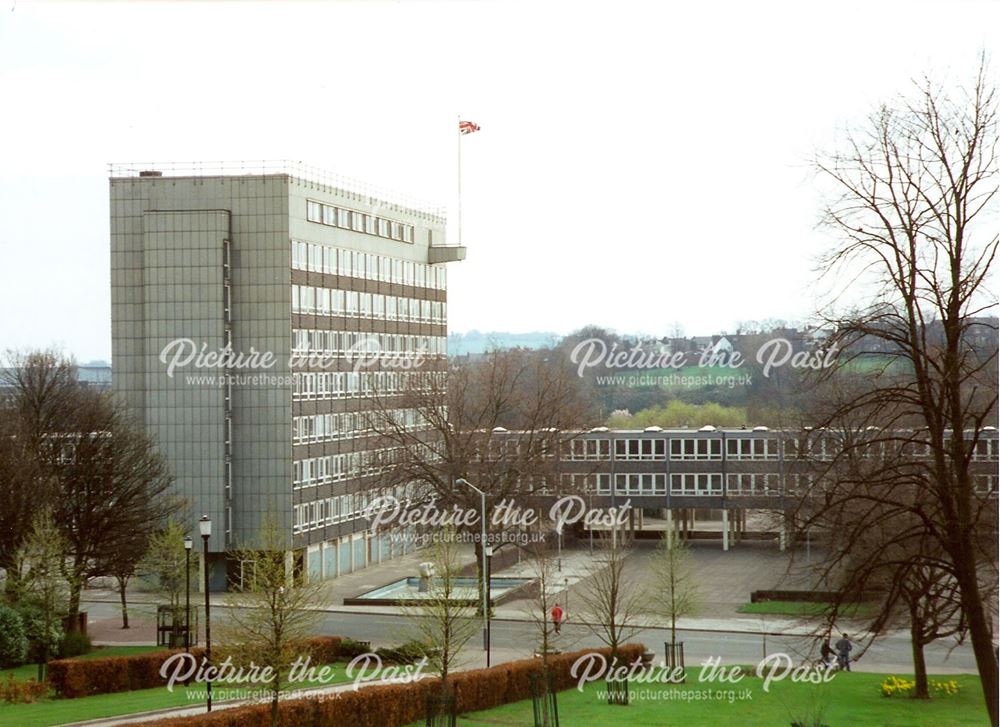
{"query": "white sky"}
pixel 638 164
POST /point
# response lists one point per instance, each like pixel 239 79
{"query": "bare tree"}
pixel 500 422
pixel 39 388
pixel 613 599
pixel 914 193
pixel 112 486
pixel 123 565
pixel 270 613
pixel 443 619
pixel 929 594
pixel 78 451
pixel 672 591
pixel 540 606
pixel 883 556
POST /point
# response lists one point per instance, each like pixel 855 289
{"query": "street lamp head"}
pixel 188 543
pixel 205 526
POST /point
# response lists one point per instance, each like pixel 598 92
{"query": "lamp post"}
pixel 486 551
pixel 205 528
pixel 188 544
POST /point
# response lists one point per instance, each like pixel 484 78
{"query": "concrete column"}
pixel 782 534
pixel 725 530
pixel 669 532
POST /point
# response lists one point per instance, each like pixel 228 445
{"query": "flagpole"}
pixel 458 135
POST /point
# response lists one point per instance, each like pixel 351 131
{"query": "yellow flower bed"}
pixel 894 686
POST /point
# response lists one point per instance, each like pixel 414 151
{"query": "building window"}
pixel 696 484
pixel 695 449
pixel 741 448
pixel 641 449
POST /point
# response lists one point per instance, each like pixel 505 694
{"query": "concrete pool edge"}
pixel 528 589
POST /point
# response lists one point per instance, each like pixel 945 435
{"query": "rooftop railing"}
pixel 295 169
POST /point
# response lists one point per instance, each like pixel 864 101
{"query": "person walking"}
pixel 826 653
pixel 844 647
pixel 557 617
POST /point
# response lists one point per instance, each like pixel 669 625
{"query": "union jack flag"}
pixel 467 127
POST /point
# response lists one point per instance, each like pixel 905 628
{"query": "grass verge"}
pixel 850 699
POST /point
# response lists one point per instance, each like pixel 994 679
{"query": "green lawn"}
pixel 60 711
pixel 852 700
pixel 803 608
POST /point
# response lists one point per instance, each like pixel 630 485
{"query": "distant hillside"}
pixel 474 342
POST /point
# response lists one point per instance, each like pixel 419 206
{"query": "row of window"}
pixel 343 508
pixel 330 511
pixel 705 483
pixel 347 384
pixel 315 471
pixel 324 470
pixel 308 341
pixel 827 447
pixel 646 484
pixel 328 214
pixel 736 448
pixel 680 449
pixel 366 266
pixel 753 484
pixel 587 449
pixel 349 425
pixel 351 303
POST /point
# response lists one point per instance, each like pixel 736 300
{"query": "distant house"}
pixel 96 374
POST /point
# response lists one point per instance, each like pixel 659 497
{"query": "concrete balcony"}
pixel 445 253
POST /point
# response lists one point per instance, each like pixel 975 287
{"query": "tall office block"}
pixel 276 263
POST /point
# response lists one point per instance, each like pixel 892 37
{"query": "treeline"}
pixel 82 491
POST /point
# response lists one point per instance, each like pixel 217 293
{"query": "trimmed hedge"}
pixel 396 705
pixel 72 678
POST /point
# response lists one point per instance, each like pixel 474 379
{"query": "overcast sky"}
pixel 638 164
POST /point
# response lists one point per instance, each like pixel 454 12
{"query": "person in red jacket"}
pixel 557 617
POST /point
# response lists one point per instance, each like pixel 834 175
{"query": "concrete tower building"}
pixel 270 262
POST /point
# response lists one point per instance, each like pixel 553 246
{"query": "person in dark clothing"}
pixel 844 647
pixel 826 652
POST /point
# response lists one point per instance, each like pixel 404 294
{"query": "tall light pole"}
pixel 486 551
pixel 188 544
pixel 205 528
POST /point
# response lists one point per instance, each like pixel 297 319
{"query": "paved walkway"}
pixel 725 580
